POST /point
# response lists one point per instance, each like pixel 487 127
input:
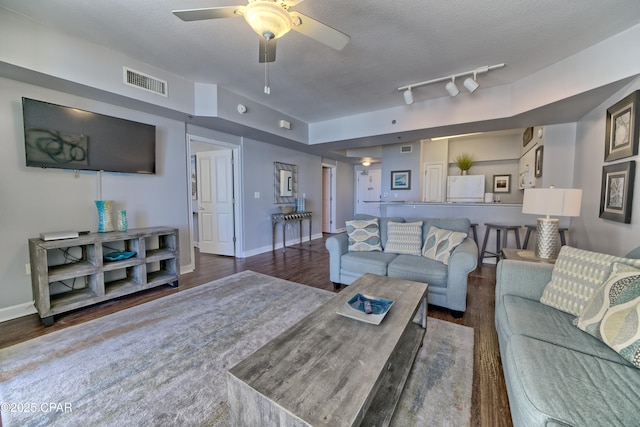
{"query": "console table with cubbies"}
pixel 77 266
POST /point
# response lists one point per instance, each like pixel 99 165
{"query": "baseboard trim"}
pixel 290 242
pixel 20 310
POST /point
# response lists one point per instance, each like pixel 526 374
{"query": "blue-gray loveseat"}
pixel 447 283
pixel 557 374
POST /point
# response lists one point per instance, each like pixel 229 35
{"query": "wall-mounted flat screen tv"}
pixel 69 138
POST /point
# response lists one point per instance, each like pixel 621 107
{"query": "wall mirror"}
pixel 286 183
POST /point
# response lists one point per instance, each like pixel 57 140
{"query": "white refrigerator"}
pixel 465 189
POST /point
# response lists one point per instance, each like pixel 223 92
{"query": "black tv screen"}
pixel 69 138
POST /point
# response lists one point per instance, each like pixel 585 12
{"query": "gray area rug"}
pixel 164 362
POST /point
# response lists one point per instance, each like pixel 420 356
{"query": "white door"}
pixel 326 199
pixel 369 192
pixel 215 202
pixel 434 182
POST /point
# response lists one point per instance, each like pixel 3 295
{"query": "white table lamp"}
pixel 550 201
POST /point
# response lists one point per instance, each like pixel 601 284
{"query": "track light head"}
pixel 471 84
pixel 408 96
pixel 451 88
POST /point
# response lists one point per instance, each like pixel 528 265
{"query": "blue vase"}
pixel 105 223
pixel 122 220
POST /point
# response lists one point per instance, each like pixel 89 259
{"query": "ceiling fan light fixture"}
pixel 451 88
pixel 408 96
pixel 266 17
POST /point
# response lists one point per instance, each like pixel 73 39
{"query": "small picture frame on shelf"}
pixel 623 128
pixel 502 183
pixel 401 180
pixel 616 194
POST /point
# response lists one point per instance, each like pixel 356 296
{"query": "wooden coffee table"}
pixel 331 370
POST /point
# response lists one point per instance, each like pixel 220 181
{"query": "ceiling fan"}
pixel 271 19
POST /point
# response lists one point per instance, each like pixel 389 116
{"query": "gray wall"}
pixel 258 177
pixel 39 200
pixel 395 160
pixel 592 232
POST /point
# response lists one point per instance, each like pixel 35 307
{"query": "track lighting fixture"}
pixel 451 88
pixel 408 96
pixel 471 84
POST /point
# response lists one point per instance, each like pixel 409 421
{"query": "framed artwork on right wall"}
pixel 616 194
pixel 623 128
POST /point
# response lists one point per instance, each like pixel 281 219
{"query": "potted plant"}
pixel 464 161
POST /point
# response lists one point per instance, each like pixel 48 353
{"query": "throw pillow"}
pixel 404 238
pixel 620 326
pixel 622 277
pixel 576 276
pixel 440 243
pixel 364 235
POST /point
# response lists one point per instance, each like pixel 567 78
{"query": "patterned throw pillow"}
pixel 404 238
pixel 576 275
pixel 364 235
pixel 621 278
pixel 440 243
pixel 620 326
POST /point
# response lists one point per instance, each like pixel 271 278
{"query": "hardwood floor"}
pixel 309 264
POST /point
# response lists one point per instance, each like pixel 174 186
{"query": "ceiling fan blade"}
pixel 267 50
pixel 208 13
pixel 292 3
pixel 319 31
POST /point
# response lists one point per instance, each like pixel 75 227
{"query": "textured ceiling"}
pixel 392 44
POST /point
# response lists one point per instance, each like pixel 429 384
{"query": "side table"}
pixel 524 255
pixel 286 218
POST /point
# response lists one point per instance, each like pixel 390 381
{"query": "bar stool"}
pixel 474 230
pixel 500 228
pixel 530 228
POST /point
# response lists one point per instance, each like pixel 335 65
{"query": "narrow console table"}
pixel 79 268
pixel 286 218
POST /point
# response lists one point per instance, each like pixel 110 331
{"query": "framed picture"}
pixel 401 180
pixel 621 139
pixel 616 194
pixel 194 179
pixel 538 161
pixel 502 183
pixel 286 183
pixel 527 136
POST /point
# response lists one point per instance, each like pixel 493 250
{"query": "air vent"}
pixel 145 81
pixel 406 148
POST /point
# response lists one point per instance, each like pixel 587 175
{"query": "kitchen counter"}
pixel 451 204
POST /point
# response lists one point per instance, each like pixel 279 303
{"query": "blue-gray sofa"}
pixel 555 373
pixel 447 283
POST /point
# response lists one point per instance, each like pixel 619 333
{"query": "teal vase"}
pixel 122 220
pixel 105 223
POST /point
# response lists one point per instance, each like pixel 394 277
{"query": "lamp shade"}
pixel 266 17
pixel 552 201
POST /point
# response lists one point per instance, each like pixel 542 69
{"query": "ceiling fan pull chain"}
pixel 267 89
